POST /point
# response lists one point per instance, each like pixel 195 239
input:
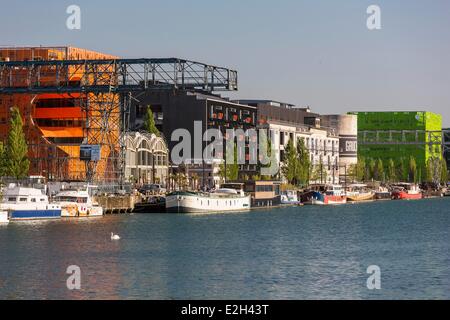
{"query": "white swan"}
pixel 114 236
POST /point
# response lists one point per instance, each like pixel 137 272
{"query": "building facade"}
pixel 287 122
pixel 400 135
pixel 196 112
pixel 346 126
pixel 146 159
pixel 446 143
pixel 56 124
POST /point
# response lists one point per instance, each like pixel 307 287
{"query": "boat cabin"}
pixel 263 193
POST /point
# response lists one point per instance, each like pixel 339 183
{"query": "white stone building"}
pixel 146 158
pixel 323 144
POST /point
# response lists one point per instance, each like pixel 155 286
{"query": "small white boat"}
pixel 289 197
pixel 78 203
pixel 28 204
pixel 229 197
pixel 4 217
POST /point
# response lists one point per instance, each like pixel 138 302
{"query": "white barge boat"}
pixel 229 197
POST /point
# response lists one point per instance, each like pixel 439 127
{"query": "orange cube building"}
pixel 57 124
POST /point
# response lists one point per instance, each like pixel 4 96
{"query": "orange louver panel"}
pixel 58 113
pixel 61 95
pixel 57 132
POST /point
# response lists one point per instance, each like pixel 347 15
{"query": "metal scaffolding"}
pixel 107 88
pixel 116 76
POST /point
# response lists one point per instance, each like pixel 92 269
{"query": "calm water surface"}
pixel 292 253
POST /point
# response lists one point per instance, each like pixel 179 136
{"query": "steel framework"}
pixel 416 137
pixel 108 86
pixel 113 76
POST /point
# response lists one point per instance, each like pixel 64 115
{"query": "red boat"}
pixel 408 191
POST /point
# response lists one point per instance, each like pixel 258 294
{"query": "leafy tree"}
pixel 230 171
pixel 319 172
pixel 290 166
pixel 3 162
pixel 17 150
pixel 379 170
pixel 371 168
pixel 433 169
pixel 360 172
pixel 149 122
pixel 390 174
pixel 402 170
pixel 444 172
pixel 304 162
pixel 412 174
pixel 265 140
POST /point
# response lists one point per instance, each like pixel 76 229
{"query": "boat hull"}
pixel 4 217
pixel 191 203
pixel 383 196
pixel 74 212
pixel 34 214
pixel 360 197
pixel 406 196
pixel 318 198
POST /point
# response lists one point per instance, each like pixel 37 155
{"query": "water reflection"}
pixel 292 253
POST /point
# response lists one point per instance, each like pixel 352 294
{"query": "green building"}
pixel 400 136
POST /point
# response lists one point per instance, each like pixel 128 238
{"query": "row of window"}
pixel 222 113
pixel 14 199
pixel 66 123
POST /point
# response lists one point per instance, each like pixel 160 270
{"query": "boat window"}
pixel 23 199
pixel 33 199
pixel 12 199
pixel 82 200
pixel 42 199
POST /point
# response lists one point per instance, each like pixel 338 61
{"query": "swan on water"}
pixel 114 236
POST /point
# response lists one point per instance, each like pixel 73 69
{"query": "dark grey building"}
pixel 280 111
pixel 181 109
pixel 447 146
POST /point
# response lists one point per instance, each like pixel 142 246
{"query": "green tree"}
pixel 371 169
pixel 390 171
pixel 266 141
pixel 412 173
pixel 149 122
pixel 290 166
pixel 402 170
pixel 304 162
pixel 18 164
pixel 3 164
pixel 360 170
pixel 319 172
pixel 444 172
pixel 230 171
pixel 379 170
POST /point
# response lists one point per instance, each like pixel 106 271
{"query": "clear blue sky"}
pixel 317 53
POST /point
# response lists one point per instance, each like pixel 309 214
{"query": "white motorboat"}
pixel 78 203
pixel 289 197
pixel 28 204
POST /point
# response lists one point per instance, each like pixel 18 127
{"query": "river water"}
pixel 306 252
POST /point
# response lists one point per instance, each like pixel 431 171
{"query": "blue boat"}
pixel 28 204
